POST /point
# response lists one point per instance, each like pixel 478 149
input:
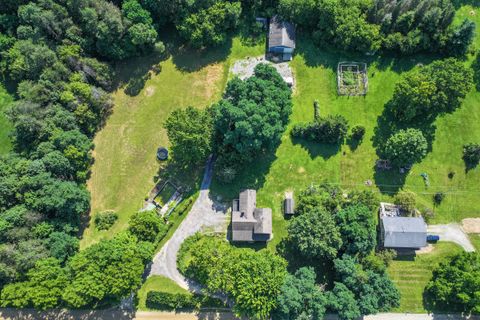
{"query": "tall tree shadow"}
pixel 316 149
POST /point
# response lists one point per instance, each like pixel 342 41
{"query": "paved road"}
pixel 453 233
pixel 205 213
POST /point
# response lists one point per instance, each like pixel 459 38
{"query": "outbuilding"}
pixel 288 206
pixel 281 38
pixel 403 232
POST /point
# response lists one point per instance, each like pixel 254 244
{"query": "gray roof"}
pixel 404 232
pixel 288 206
pixel 281 34
pixel 250 223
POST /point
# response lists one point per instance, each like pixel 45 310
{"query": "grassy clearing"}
pixel 5 127
pixel 475 239
pixel 157 283
pixel 125 167
pixel 411 275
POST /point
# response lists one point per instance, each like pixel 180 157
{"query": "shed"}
pixel 403 232
pixel 289 206
pixel 281 38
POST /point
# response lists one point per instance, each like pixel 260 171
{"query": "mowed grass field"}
pixel 5 126
pixel 411 275
pixel 125 167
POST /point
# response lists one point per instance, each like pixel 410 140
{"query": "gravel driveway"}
pixel 453 233
pixel 205 213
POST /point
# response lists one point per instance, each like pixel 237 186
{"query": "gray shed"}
pixel 289 206
pixel 403 232
pixel 281 38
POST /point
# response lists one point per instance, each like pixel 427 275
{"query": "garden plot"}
pixel 352 78
pixel 244 69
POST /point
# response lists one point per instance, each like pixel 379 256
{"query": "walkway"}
pixel 205 213
pixel 453 233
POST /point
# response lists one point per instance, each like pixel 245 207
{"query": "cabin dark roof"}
pixel 248 222
pixel 281 34
pixel 404 232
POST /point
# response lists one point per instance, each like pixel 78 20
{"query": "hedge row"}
pixel 173 301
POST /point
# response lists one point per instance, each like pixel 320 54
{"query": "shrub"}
pixel 331 130
pixel 104 220
pixel 438 197
pixel 471 154
pixel 147 226
pixel 406 147
pixel 172 301
pixel 358 132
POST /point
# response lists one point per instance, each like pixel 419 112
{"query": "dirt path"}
pixel 205 213
pixel 453 233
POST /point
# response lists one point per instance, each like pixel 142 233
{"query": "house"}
pixel 403 232
pixel 398 232
pixel 281 38
pixel 289 205
pixel 249 223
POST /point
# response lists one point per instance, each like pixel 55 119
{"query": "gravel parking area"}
pixel 244 68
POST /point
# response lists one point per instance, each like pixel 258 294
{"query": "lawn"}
pixel 157 283
pixel 411 275
pixel 5 127
pixel 125 167
pixel 475 239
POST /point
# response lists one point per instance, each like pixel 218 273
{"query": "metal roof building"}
pixel 249 223
pixel 288 206
pixel 403 232
pixel 281 38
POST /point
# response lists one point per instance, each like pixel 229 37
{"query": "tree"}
pixel 209 26
pixel 331 129
pixel 108 269
pixel 343 301
pixel 253 279
pixel 434 89
pixel 252 115
pixel 471 154
pixel 460 39
pixel 357 228
pixel 300 297
pixel 42 290
pixel 454 284
pixel 62 246
pixel 315 234
pixel 405 147
pixel 146 225
pixel 407 201
pixel 190 132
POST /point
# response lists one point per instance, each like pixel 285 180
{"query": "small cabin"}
pixel 281 38
pixel 288 206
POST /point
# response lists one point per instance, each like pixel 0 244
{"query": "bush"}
pixel 104 220
pixel 148 226
pixel 172 301
pixel 471 154
pixel 331 130
pixel 438 197
pixel 406 147
pixel 358 132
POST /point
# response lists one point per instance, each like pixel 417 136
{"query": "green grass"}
pixel 5 126
pixel 475 239
pixel 411 275
pixel 125 167
pixel 157 283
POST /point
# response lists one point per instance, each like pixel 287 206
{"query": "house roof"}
pixel 248 222
pixel 404 232
pixel 281 34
